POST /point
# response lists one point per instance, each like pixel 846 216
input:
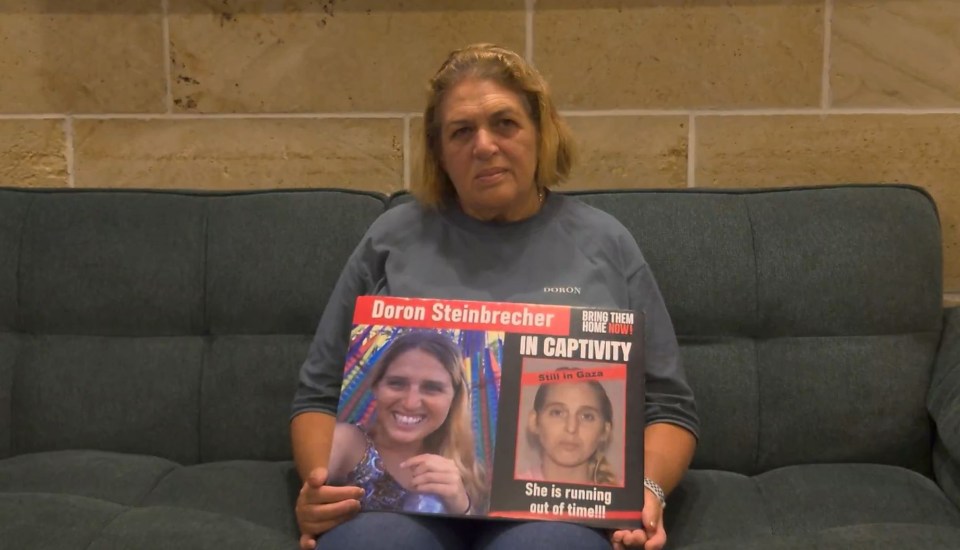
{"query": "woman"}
pixel 486 227
pixel 570 427
pixel 422 417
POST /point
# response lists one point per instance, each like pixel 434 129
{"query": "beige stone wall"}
pixel 229 94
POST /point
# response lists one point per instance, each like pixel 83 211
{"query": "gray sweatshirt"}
pixel 569 253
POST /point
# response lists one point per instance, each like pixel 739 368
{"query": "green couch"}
pixel 150 343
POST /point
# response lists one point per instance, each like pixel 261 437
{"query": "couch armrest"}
pixel 943 404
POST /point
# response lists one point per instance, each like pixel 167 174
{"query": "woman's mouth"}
pixel 490 175
pixel 408 420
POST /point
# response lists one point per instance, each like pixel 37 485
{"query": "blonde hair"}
pixel 601 472
pixel 555 148
pixel 454 438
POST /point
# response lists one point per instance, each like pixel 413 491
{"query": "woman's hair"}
pixel 454 438
pixel 600 469
pixel 490 62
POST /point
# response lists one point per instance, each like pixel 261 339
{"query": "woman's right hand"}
pixel 322 507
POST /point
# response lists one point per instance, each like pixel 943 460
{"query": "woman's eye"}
pixel 395 384
pixel 588 417
pixel 459 132
pixel 431 389
pixel 556 413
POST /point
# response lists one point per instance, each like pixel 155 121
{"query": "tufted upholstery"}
pixel 149 344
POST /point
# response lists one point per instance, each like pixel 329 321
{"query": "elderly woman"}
pixel 485 226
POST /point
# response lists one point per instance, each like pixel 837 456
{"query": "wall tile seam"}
pixel 37 116
pixel 825 90
pixel 213 116
pixel 167 63
pixel 68 151
pixel 407 139
pixel 691 151
pixel 529 9
pixel 847 111
pixel 812 111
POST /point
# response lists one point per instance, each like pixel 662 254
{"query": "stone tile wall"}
pixel 239 94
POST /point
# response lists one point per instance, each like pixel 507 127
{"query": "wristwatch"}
pixel 657 490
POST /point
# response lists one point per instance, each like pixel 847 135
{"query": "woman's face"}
pixel 489 150
pixel 413 397
pixel 570 426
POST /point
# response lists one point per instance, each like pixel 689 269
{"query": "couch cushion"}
pixel 847 261
pixel 41 521
pixel 9 350
pixel 800 500
pixel 259 492
pixel 714 505
pixel 168 263
pixel 804 499
pixel 247 385
pixel 123 263
pixel 74 488
pixel 13 210
pixel 700 248
pixel 947 471
pixel 840 289
pixel 273 258
pixel 845 399
pixel 943 402
pixel 724 370
pixel 119 478
pixel 853 537
pixel 162 528
pixel 130 395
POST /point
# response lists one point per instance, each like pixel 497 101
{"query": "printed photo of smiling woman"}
pixel 416 454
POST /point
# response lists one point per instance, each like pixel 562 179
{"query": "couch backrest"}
pixel 808 318
pixel 170 324
pixel 173 324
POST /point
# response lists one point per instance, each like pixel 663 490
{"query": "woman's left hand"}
pixel 440 476
pixel 652 536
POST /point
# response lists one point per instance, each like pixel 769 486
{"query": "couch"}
pixel 150 343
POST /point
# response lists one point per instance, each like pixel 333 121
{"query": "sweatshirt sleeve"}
pixel 669 397
pixel 321 375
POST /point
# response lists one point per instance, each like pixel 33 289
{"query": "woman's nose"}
pixel 411 399
pixel 572 424
pixel 484 143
